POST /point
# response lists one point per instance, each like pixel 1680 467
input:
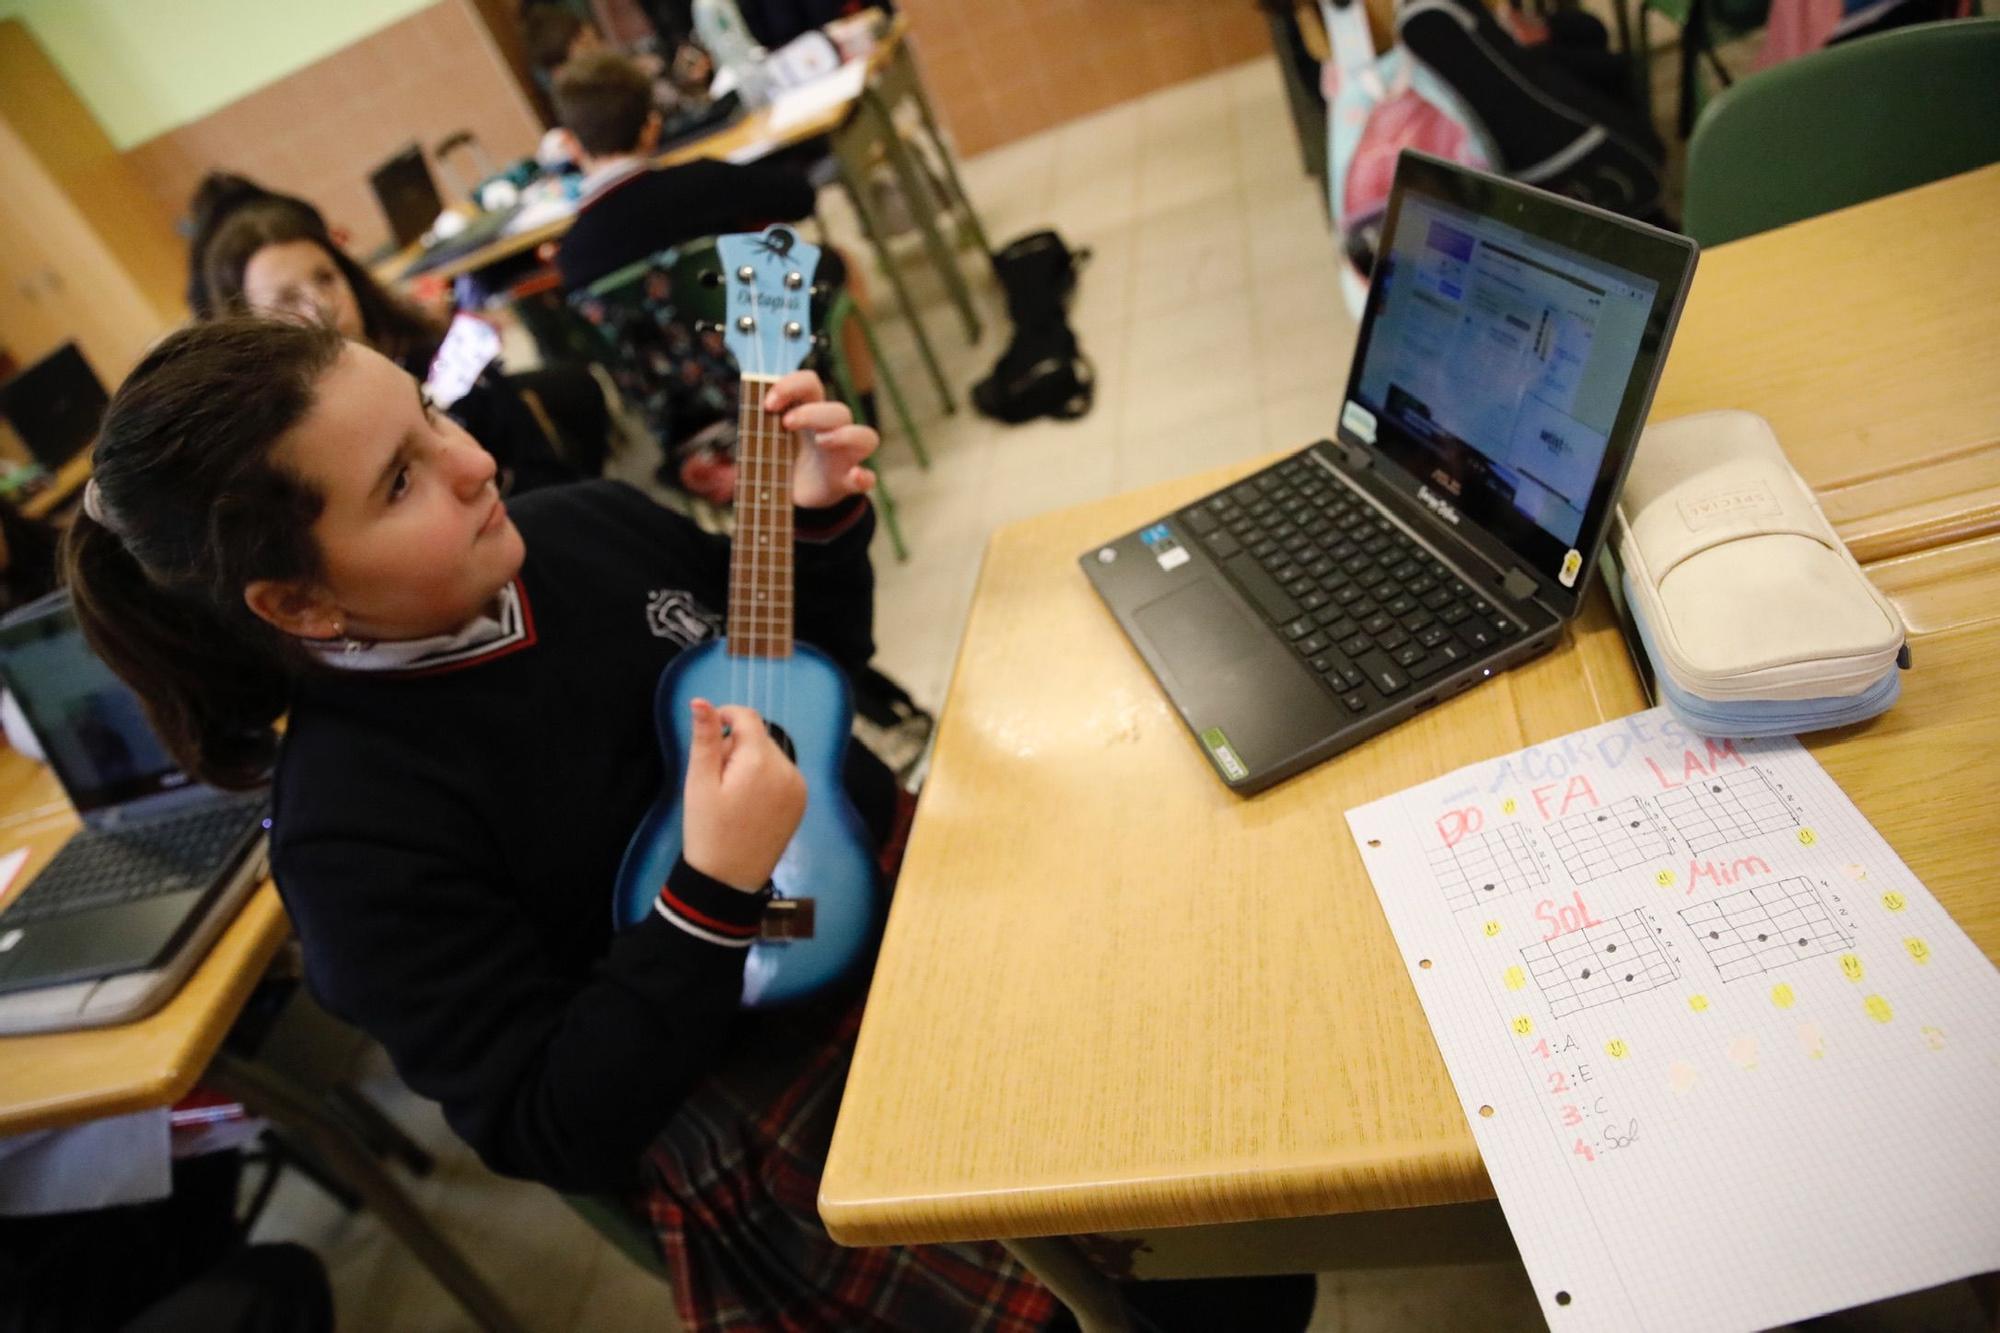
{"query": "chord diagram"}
pixel 1486 865
pixel 1618 837
pixel 1726 807
pixel 1762 928
pixel 1600 963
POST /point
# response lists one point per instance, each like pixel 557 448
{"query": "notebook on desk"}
pixel 109 927
pixel 1506 359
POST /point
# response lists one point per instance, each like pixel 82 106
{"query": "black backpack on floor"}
pixel 1043 373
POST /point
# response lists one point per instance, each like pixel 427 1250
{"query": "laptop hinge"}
pixel 1518 584
pixel 1356 456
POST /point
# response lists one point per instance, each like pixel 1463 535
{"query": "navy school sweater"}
pixel 651 210
pixel 446 842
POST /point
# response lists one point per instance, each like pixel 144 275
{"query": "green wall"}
pixel 144 67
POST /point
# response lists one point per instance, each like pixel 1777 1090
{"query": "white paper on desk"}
pixel 796 105
pixel 99 1163
pixel 1743 1068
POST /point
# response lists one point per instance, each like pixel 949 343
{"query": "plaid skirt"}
pixel 731 1189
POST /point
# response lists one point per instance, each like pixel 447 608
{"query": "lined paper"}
pixel 1728 1062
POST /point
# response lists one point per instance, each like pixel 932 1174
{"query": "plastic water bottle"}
pixel 719 26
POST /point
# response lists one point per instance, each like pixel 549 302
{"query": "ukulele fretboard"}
pixel 760 563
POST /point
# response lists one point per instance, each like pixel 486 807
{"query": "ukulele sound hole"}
pixel 784 741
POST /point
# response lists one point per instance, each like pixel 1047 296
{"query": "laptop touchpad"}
pixel 1198 631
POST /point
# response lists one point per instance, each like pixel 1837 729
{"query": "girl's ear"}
pixel 300 610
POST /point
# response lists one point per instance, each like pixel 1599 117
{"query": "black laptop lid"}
pixel 1507 358
pixel 407 194
pixel 55 406
pixel 91 725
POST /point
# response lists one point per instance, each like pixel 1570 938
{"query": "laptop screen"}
pixel 1510 343
pixel 91 725
pixel 55 406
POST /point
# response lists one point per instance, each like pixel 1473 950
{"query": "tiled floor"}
pixel 1211 312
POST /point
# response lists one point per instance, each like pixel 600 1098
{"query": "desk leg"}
pixel 851 154
pixel 268 1093
pixel 1092 1297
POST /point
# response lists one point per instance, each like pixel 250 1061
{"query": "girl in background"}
pixel 273 254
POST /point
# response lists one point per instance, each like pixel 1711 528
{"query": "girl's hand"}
pixel 743 799
pixel 831 446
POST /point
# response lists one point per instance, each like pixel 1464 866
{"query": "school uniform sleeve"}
pixel 548 1076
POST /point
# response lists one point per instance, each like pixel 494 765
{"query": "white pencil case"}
pixel 1746 591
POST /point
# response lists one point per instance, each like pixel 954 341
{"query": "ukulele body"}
pixel 827 908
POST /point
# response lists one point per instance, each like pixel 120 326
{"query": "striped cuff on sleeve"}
pixel 820 526
pixel 709 909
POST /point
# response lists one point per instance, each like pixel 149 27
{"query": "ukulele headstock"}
pixel 768 276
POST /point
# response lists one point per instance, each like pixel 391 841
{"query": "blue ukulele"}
pixel 827 907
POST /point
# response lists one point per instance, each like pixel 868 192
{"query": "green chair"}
pixel 1845 125
pixel 648 316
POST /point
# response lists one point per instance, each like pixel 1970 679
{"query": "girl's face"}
pixel 414 537
pixel 299 280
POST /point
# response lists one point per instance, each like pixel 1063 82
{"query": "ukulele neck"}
pixel 760 561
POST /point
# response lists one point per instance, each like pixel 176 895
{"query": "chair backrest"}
pixel 1845 125
pixel 679 377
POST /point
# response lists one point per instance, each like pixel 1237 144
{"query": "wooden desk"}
pixel 1868 337
pixel 60 1078
pixel 747 133
pixel 1113 997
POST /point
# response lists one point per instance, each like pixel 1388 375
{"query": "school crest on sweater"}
pixel 672 613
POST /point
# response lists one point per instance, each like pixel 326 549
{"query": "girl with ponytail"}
pixel 281 526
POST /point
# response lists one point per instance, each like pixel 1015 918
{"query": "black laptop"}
pixel 107 928
pixel 1507 357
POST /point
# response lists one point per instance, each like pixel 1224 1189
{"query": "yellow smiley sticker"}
pixel 1507 807
pixel 1893 901
pixel 1616 1049
pixel 1850 966
pixel 1781 995
pixel 1523 1026
pixel 1807 837
pixel 1878 1009
pixel 1515 978
pixel 1917 949
pixel 1492 929
pixel 1665 879
pixel 1698 1003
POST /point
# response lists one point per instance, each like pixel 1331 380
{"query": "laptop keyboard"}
pixel 102 867
pixel 1364 605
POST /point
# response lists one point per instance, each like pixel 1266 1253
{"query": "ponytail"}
pixel 191 505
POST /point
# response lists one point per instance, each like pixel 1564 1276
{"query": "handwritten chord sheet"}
pixel 1600 963
pixel 1485 866
pixel 1749 933
pixel 1715 979
pixel 1724 807
pixel 1596 843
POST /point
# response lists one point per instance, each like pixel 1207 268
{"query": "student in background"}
pixel 273 255
pixel 220 194
pixel 630 209
pixel 555 35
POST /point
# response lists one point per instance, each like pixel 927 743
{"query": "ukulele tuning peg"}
pixel 820 291
pixel 820 344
